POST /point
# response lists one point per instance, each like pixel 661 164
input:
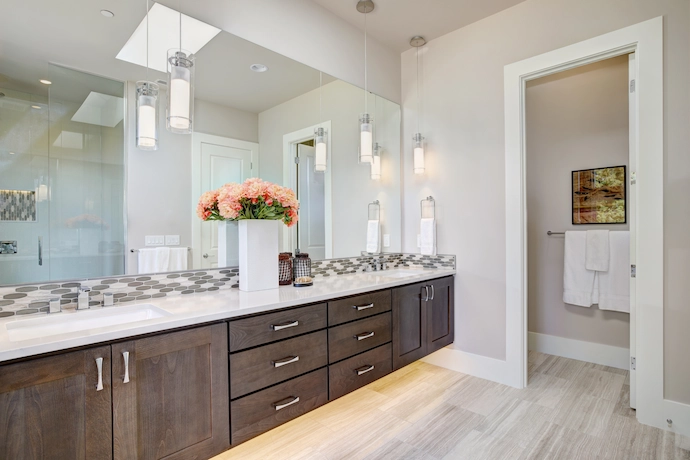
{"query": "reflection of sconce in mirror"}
pixel 376 162
pixel 418 153
pixel 320 158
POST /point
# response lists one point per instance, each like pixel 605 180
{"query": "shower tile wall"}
pixel 17 206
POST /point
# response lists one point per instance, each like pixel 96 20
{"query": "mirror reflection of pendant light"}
pixel 366 123
pixel 180 89
pixel 321 155
pixel 147 104
pixel 376 162
pixel 418 139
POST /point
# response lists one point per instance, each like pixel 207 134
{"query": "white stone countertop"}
pixel 188 310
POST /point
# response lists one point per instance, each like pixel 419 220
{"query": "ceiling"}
pixel 394 22
pixel 73 33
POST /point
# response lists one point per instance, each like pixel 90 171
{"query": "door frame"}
pixel 290 141
pixel 197 140
pixel 646 40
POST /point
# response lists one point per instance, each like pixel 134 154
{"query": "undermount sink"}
pixel 66 322
pixel 400 273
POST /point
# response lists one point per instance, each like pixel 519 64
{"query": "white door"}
pixel 632 196
pixel 311 227
pixel 216 161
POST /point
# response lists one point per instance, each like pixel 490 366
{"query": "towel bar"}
pixel 377 210
pixel 136 250
pixel 431 200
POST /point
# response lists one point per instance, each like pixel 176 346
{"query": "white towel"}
pixel 578 282
pixel 147 260
pixel 178 259
pixel 427 236
pixel 373 236
pixel 597 251
pixel 614 284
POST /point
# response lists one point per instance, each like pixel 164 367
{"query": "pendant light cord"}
pixel 419 113
pixel 179 5
pixel 147 44
pixel 321 99
pixel 365 61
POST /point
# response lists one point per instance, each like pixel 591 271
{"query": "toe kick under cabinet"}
pixel 196 392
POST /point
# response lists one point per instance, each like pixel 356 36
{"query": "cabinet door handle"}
pixel 282 404
pixel 364 335
pixel 433 292
pixel 363 307
pixel 426 290
pixel 285 325
pixel 125 355
pixel 284 361
pixel 99 365
pixel 364 369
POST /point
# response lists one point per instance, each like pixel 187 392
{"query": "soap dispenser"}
pixel 83 298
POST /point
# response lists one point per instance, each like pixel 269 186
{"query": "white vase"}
pixel 228 244
pixel 258 254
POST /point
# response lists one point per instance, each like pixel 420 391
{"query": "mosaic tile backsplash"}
pixel 33 299
pixel 17 206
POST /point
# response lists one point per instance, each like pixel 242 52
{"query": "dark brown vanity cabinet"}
pixel 423 319
pixel 170 395
pixel 57 407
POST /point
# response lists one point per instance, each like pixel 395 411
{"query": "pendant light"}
pixel 366 123
pixel 418 139
pixel 321 155
pixel 376 157
pixel 147 104
pixel 180 89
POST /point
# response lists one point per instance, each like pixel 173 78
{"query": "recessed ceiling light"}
pixel 35 106
pixel 107 13
pixel 258 67
pixel 46 82
pixel 11 153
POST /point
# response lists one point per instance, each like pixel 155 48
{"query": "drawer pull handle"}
pixel 125 356
pixel 364 335
pixel 286 402
pixel 284 361
pixel 285 325
pixel 364 369
pixel 99 365
pixel 363 307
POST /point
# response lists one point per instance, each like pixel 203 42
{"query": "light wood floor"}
pixel 570 410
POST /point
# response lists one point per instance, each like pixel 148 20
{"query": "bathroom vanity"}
pixel 192 385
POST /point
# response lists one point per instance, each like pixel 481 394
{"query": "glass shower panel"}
pixel 86 186
pixel 24 177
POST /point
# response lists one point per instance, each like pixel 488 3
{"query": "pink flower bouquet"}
pixel 254 199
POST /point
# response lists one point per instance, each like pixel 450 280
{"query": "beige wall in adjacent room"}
pixel 576 120
pixel 463 121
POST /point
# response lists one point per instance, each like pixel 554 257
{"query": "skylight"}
pixel 164 34
pixel 100 109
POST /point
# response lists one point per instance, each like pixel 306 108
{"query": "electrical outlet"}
pixel 154 240
pixel 386 240
pixel 419 241
pixel 172 240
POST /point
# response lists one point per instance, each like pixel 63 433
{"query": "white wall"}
pixel 308 33
pixel 462 89
pixel 159 183
pixel 576 120
pixel 352 187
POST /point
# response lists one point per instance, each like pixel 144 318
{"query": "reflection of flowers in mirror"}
pixel 86 221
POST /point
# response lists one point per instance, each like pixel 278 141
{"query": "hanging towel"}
pixel 162 259
pixel 597 251
pixel 178 259
pixel 147 260
pixel 373 236
pixel 578 282
pixel 427 238
pixel 614 284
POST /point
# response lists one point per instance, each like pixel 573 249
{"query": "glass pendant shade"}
pixel 366 138
pixel 376 163
pixel 321 155
pixel 418 154
pixel 180 91
pixel 147 115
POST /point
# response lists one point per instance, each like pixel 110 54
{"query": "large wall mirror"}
pixel 78 199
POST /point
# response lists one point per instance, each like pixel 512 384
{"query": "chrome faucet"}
pixel 83 298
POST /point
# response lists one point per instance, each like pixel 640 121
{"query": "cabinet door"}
pixel 440 314
pixel 54 407
pixel 409 324
pixel 170 395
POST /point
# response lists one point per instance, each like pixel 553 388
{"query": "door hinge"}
pixel 633 271
pixel 633 178
pixel 632 86
pixel 296 160
pixel 633 363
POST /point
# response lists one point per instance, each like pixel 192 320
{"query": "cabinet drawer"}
pixel 258 330
pixel 254 369
pixel 349 339
pixel 258 413
pixel 360 370
pixel 358 307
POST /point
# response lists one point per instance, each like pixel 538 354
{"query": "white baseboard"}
pixel 597 353
pixel 468 363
